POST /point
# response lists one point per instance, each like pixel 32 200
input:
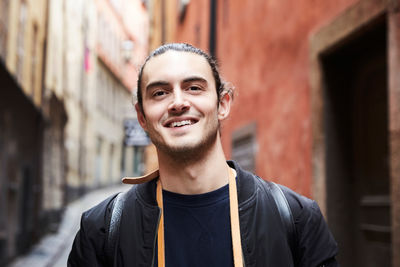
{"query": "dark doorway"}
pixel 21 133
pixel 25 231
pixel 357 151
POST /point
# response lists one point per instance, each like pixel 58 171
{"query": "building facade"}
pixel 22 122
pixel 67 70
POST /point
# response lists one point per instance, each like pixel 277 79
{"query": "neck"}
pixel 203 174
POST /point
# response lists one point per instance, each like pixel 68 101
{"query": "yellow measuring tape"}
pixel 235 226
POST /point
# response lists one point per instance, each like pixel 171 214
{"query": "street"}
pixel 53 249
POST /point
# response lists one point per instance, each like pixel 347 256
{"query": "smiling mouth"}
pixel 180 123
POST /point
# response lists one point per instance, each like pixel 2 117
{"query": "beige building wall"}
pixel 111 97
pixel 70 79
pixel 25 39
pixel 54 77
pixel 53 106
pixel 74 77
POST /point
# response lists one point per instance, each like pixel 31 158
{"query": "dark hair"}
pixel 181 47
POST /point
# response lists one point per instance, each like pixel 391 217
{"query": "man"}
pixel 197 209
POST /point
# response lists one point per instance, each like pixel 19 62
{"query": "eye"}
pixel 194 88
pixel 159 93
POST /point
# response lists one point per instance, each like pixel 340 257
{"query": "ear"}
pixel 141 117
pixel 224 105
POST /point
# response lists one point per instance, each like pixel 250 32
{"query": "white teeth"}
pixel 180 123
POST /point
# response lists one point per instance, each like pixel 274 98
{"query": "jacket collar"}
pixel 146 185
pixel 141 179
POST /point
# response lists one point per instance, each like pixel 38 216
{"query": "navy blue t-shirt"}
pixel 197 229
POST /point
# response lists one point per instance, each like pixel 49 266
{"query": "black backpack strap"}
pixel 114 220
pixel 286 215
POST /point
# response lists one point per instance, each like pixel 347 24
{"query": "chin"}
pixel 187 150
pixel 183 148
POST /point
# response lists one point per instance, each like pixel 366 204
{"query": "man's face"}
pixel 180 104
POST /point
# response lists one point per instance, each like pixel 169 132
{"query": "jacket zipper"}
pixel 155 237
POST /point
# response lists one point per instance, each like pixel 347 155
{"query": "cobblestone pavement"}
pixel 53 249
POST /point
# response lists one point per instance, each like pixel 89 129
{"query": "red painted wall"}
pixel 263 49
pixel 194 28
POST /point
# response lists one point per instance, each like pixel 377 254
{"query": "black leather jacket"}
pixel 264 238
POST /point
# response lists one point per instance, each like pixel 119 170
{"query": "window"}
pixel 138 160
pixel 182 9
pixel 34 59
pixel 244 147
pixel 98 167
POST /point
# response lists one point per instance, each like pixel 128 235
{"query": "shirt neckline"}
pixel 197 200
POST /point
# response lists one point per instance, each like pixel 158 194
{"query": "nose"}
pixel 179 104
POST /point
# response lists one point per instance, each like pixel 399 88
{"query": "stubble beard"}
pixel 187 153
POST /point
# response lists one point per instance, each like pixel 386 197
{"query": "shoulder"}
pixel 87 248
pixel 303 210
pixel 300 205
pixel 306 213
pixel 316 243
pixel 98 215
pixel 95 219
pixel 249 184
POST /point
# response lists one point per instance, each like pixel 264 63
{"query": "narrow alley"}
pixel 53 249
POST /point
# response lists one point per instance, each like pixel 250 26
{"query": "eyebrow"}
pixel 194 79
pixel 156 84
pixel 187 80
